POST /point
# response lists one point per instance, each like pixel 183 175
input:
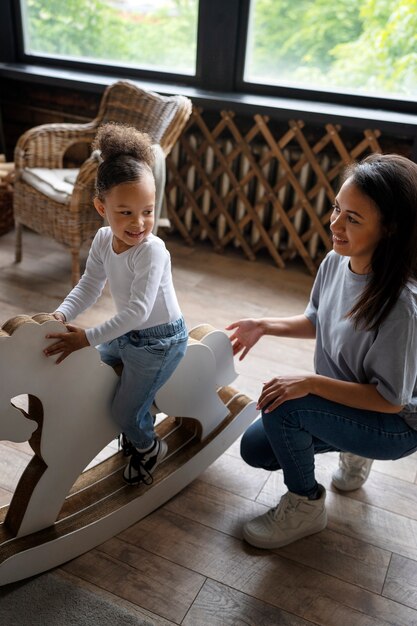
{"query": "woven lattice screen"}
pixel 259 190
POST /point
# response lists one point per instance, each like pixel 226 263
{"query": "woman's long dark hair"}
pixel 390 180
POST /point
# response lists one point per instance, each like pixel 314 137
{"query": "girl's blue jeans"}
pixel 290 436
pixel 149 357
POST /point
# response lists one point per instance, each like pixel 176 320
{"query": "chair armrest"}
pixel 45 145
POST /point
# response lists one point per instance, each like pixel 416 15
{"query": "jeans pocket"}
pixel 156 346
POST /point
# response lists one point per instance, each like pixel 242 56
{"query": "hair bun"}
pixel 115 140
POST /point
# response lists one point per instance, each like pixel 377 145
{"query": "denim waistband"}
pixel 163 330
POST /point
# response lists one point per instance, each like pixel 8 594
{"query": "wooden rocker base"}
pixel 101 505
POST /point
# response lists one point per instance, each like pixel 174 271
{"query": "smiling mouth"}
pixel 134 234
pixel 338 240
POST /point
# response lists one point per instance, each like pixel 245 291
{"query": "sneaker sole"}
pixel 162 453
pixel 344 485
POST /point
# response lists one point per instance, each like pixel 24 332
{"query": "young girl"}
pixel 363 315
pixel 147 334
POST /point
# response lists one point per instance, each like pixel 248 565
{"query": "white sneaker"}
pixel 294 517
pixel 142 464
pixel 352 472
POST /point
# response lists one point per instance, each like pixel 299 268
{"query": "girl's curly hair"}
pixel 126 155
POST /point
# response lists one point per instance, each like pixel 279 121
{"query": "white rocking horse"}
pixel 58 511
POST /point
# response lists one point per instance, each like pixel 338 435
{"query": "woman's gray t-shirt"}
pixel 386 357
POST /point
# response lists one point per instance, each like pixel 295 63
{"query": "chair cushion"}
pixel 57 184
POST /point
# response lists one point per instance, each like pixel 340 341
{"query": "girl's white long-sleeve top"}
pixel 140 283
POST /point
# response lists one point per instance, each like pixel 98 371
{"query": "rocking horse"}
pixel 59 511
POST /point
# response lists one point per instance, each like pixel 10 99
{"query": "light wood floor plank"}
pixel 384 529
pixel 219 605
pixel 149 581
pixel 231 474
pixel 401 582
pixel 218 509
pixel 142 614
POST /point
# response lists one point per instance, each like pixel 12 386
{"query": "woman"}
pixel 363 314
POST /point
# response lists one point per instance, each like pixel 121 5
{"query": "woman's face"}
pixel 356 227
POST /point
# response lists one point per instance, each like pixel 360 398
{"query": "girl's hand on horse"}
pixel 59 316
pixel 73 340
pixel 247 333
pixel 283 388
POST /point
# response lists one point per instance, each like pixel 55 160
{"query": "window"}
pixel 365 47
pixel 158 35
pixel 360 53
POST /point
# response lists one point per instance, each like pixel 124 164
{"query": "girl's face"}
pixel 129 210
pixel 356 227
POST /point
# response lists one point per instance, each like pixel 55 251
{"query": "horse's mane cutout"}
pixel 9 327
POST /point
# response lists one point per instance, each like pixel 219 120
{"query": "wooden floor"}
pixel 186 563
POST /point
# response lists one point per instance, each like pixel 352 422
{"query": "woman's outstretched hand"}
pixel 283 388
pixel 246 333
pixel 73 340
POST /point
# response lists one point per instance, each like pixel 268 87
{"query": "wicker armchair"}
pixel 68 215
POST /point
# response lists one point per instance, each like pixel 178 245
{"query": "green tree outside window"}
pixel 152 35
pixel 367 46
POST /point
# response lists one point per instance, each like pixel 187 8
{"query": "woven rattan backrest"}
pixel 163 117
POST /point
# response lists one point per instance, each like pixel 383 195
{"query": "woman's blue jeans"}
pixel 149 357
pixel 290 436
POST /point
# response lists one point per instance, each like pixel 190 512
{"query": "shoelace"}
pixel 283 507
pixel 125 445
pixel 143 475
pixel 138 462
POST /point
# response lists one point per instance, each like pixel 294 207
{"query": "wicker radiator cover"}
pixel 258 191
